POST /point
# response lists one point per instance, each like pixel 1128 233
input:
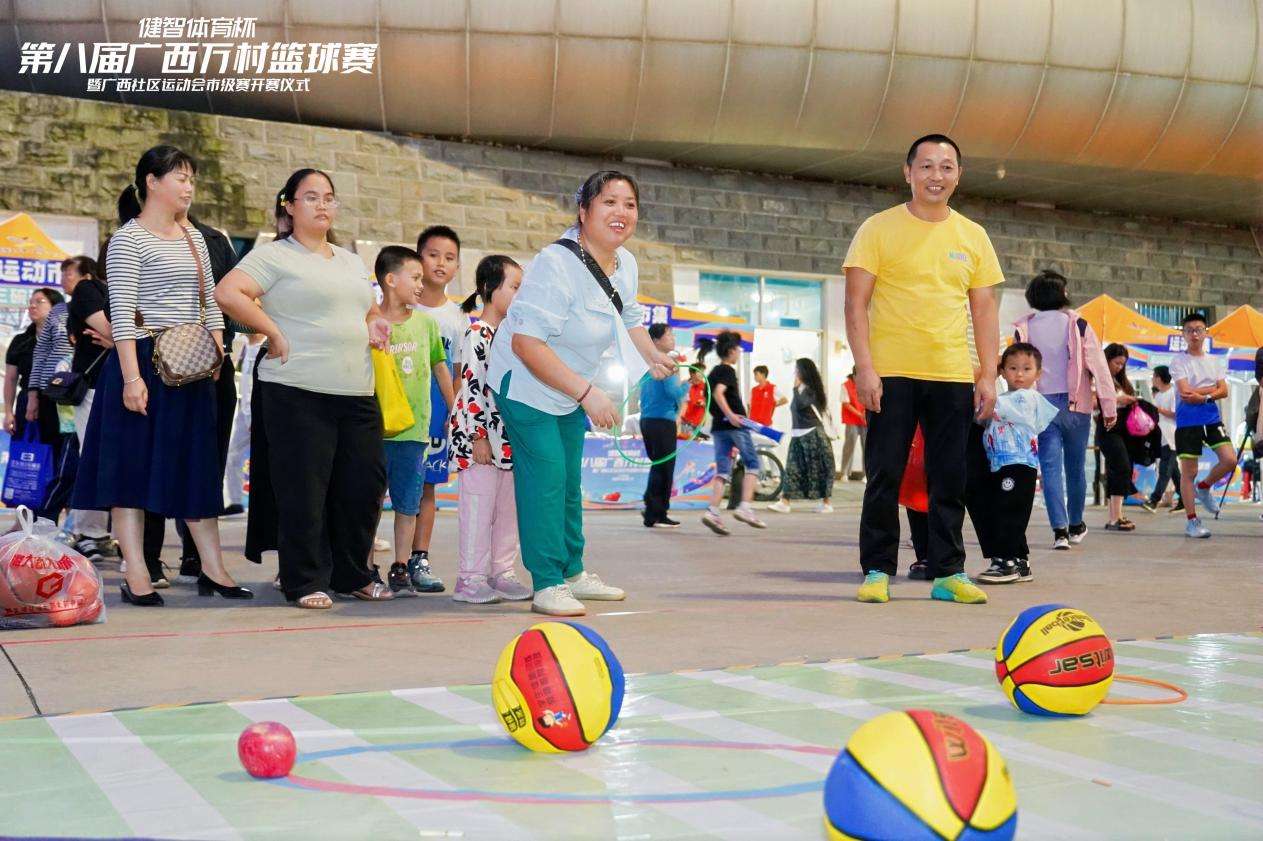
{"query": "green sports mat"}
pixel 734 753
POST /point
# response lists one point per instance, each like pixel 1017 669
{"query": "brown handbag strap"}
pixel 201 282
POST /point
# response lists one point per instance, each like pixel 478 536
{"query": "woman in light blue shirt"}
pixel 543 360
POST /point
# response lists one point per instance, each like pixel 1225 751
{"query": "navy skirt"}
pixel 165 461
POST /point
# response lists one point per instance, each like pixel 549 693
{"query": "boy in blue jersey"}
pixel 1199 382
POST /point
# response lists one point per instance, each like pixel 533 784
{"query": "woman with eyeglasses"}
pixel 320 423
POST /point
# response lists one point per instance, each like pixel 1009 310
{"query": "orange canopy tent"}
pixel 1114 321
pixel 1243 327
pixel 27 255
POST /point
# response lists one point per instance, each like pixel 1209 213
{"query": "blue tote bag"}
pixel 30 470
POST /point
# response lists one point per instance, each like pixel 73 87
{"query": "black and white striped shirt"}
pixel 158 278
pixel 52 345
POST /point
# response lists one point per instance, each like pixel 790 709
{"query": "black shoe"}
pixel 190 570
pixel 919 571
pixel 206 587
pixel 400 581
pixel 1179 506
pixel 1061 539
pixel 1077 532
pixel 91 548
pixel 667 523
pixel 147 600
pixel 1150 505
pixel 1001 571
pixel 1024 570
pixel 232 510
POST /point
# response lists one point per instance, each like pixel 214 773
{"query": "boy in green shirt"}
pixel 417 348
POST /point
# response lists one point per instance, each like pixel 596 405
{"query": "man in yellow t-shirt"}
pixel 915 276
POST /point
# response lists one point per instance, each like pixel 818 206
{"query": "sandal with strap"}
pixel 374 591
pixel 315 601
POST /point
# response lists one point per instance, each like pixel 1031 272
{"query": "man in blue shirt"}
pixel 660 402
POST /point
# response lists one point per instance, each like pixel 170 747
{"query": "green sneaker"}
pixel 957 588
pixel 876 588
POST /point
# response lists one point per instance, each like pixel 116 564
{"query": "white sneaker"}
pixel 1196 529
pixel 780 507
pixel 587 585
pixel 474 591
pixel 380 545
pixel 557 601
pixel 824 508
pixel 715 523
pixel 510 588
pixel 1206 499
pixel 745 514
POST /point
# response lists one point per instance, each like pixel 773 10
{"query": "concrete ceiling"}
pixel 1140 106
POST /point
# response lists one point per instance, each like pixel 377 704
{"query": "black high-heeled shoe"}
pixel 147 600
pixel 206 586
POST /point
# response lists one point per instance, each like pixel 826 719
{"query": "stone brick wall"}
pixel 61 155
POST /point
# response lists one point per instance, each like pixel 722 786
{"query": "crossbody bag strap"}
pixel 597 272
pixel 201 277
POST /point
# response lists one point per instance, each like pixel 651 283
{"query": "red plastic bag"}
pixel 44 583
pixel 913 490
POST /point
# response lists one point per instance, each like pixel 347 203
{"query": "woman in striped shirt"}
pixel 150 446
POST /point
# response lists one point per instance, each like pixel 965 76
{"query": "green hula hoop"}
pixel 622 411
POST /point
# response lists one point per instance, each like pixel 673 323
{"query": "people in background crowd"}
pixel 482 451
pixel 319 427
pixel 660 402
pixel 1073 369
pixel 856 429
pixel 809 464
pixel 1110 439
pixel 765 397
pixel 578 299
pixel 150 446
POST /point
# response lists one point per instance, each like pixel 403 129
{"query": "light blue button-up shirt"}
pixel 562 304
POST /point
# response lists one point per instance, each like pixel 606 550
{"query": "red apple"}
pixel 267 750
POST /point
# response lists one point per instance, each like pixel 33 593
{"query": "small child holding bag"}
pixel 481 453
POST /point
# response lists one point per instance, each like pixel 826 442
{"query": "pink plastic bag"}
pixel 1139 423
pixel 44 583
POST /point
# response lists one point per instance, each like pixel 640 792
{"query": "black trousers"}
pixel 977 482
pixel 944 411
pixel 919 527
pixel 329 476
pixel 1168 470
pixel 1117 462
pixel 1008 496
pixel 226 412
pixel 660 442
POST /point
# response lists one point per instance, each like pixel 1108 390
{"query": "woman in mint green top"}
pixel 317 418
pixel 543 359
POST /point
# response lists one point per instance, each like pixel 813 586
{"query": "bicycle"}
pixel 771 474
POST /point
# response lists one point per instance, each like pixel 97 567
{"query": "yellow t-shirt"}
pixel 919 318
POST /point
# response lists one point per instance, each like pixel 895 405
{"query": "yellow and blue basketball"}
pixel 557 687
pixel 1054 660
pixel 919 775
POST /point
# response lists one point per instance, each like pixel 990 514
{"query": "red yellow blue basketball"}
pixel 557 687
pixel 1054 660
pixel 919 774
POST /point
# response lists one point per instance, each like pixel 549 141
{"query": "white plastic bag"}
pixel 44 583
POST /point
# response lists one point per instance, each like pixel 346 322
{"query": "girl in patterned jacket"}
pixel 481 452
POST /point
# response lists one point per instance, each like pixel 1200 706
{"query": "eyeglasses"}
pixel 1195 331
pixel 312 200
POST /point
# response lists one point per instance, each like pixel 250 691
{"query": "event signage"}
pixel 211 54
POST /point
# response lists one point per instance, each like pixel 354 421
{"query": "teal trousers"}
pixel 547 467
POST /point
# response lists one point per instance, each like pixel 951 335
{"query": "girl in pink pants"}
pixel 481 453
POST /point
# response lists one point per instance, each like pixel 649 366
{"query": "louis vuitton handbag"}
pixel 186 353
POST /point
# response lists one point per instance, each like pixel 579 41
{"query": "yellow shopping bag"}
pixel 396 413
